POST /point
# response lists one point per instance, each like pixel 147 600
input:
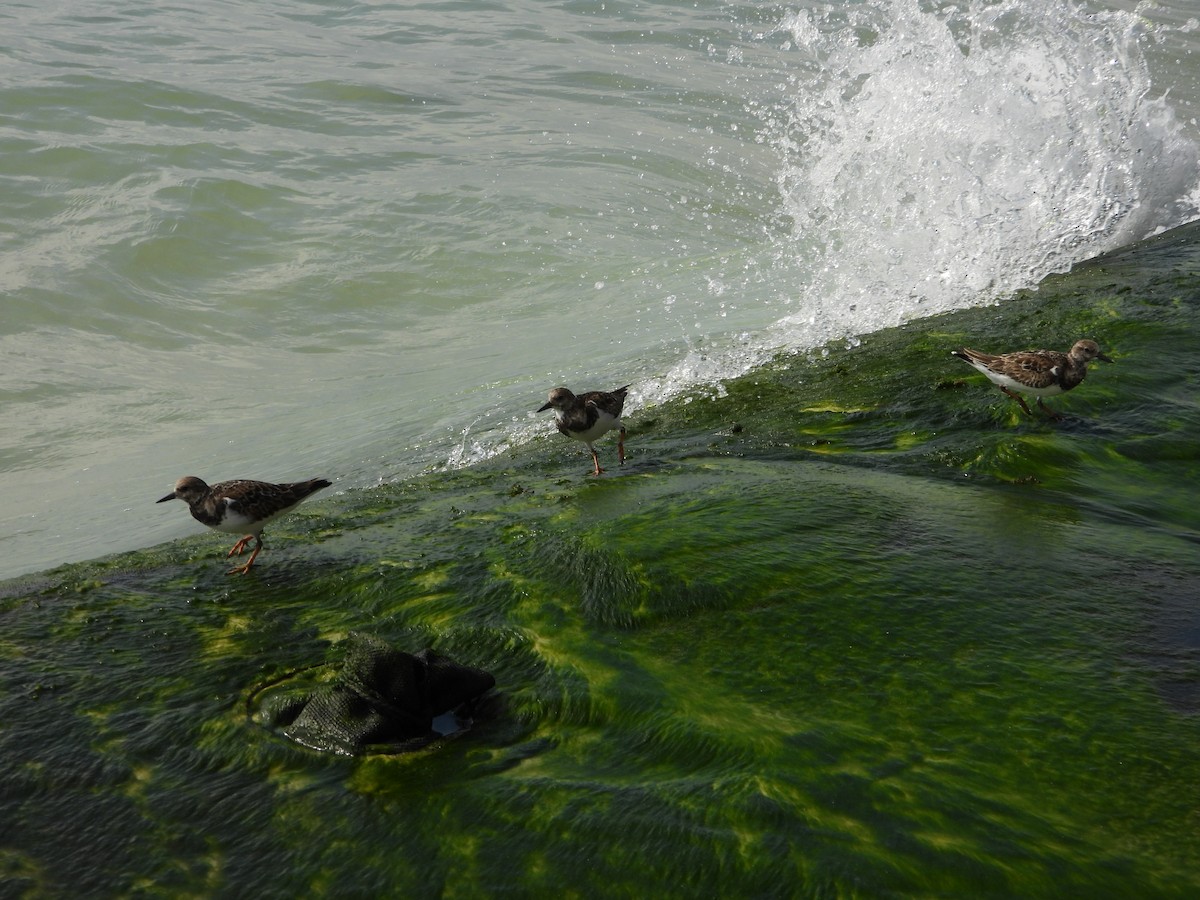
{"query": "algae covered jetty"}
pixel 850 625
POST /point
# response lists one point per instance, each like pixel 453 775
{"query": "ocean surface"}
pixel 362 240
pixel 847 623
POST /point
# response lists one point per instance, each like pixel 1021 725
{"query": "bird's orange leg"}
pixel 1057 417
pixel 242 570
pixel 595 461
pixel 240 547
pixel 1019 399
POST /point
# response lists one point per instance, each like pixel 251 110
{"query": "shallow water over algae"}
pixel 855 627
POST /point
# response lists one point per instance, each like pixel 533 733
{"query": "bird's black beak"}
pixel 544 408
pixel 170 496
pixel 1103 357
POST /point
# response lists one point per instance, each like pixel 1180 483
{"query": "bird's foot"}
pixel 1020 400
pixel 1057 417
pixel 242 570
pixel 240 547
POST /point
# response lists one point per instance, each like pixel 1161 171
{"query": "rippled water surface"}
pixel 362 240
pixel 847 623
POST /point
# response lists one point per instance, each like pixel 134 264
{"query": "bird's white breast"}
pixel 1012 384
pixel 605 422
pixel 237 522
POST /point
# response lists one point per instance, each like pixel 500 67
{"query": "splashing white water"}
pixel 930 159
pixel 933 159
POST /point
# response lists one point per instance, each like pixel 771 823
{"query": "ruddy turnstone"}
pixel 588 416
pixel 241 507
pixel 1042 373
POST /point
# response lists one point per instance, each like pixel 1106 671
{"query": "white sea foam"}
pixel 926 160
pixel 241 241
pixel 930 160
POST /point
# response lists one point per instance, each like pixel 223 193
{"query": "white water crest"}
pixel 938 158
pixel 361 242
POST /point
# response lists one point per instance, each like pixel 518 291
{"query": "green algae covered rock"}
pixel 851 625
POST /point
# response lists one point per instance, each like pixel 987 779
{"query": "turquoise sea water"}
pixel 361 241
pixel 846 624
